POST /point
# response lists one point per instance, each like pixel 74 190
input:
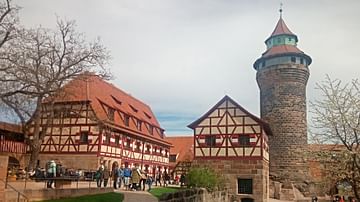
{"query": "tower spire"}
pixel 281 10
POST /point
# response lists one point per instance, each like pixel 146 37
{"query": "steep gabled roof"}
pixel 266 126
pixel 89 87
pixel 281 28
pixel 182 146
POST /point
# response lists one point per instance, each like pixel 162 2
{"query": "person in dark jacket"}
pixel 106 176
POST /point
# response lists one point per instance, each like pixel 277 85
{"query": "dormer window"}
pixel 147 115
pixel 116 100
pixel 133 108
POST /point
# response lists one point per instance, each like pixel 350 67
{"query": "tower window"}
pixel 301 61
pixel 245 186
pixel 263 64
pixel 293 59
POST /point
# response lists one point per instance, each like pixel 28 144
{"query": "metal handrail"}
pixel 18 192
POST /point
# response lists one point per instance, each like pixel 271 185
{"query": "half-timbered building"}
pixel 234 143
pixel 94 122
pixel 181 154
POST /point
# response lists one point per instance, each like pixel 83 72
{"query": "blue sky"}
pixel 182 56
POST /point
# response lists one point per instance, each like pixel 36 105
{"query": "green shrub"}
pixel 204 178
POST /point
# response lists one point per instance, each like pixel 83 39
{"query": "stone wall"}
pixel 3 172
pixel 48 194
pixel 257 170
pixel 195 195
pixel 283 106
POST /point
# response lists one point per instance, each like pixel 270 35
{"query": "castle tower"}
pixel 282 74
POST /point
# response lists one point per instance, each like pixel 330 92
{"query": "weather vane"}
pixel 281 10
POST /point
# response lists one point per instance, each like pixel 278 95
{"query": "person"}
pixel 142 180
pixel 166 179
pixel 120 175
pixel 314 199
pixel 99 176
pixel 182 179
pixel 176 179
pixel 149 182
pixel 342 199
pixel 135 177
pixel 115 176
pixel 51 172
pixel 127 175
pixel 106 176
pixel 158 178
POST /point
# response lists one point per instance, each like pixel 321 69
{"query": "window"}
pixel 263 64
pixel 245 186
pixel 127 143
pixel 301 61
pixel 293 59
pixel 138 125
pixel 279 40
pixel 210 140
pixel 151 129
pixel 244 140
pixel 148 147
pixel 160 151
pixel 126 120
pixel 111 113
pixel 172 158
pixel 290 39
pixel 166 152
pixel 107 138
pixel 133 108
pixel 84 137
pixel 116 100
pixel 117 140
pixel 138 145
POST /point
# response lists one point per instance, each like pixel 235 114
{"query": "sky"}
pixel 182 56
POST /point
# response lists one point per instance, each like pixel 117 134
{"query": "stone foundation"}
pixel 195 195
pixel 257 170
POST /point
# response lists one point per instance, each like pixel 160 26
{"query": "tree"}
pixel 337 120
pixel 8 21
pixel 36 65
pixel 205 178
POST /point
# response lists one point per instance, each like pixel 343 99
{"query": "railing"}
pixel 12 146
pixel 19 194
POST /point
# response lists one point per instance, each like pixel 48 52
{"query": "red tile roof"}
pixel 182 146
pixel 89 87
pixel 15 128
pixel 281 49
pixel 281 28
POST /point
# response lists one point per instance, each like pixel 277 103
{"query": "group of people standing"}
pixel 131 179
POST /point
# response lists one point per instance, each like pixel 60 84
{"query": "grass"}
pixel 116 197
pixel 158 191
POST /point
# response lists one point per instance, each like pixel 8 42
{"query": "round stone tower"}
pixel 282 74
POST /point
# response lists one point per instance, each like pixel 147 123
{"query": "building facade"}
pixel 94 122
pixel 234 143
pixel 282 75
